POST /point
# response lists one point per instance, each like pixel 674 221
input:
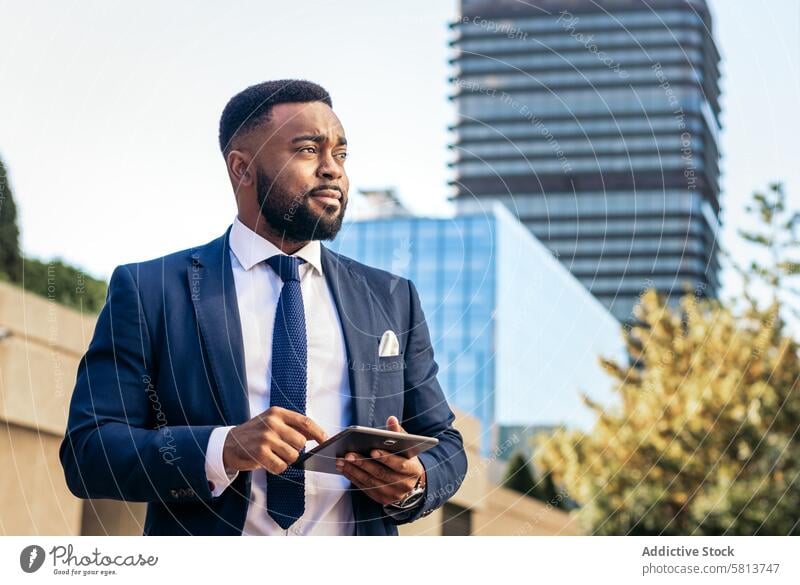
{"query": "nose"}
pixel 329 169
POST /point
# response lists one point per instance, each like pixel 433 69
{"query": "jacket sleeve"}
pixel 426 412
pixel 118 444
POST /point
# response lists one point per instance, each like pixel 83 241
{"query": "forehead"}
pixel 290 120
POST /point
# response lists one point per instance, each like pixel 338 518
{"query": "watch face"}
pixel 411 501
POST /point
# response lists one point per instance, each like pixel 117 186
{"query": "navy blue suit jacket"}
pixel 165 366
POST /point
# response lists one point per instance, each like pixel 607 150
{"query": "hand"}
pixel 272 440
pixel 385 477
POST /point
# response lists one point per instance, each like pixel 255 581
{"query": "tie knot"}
pixel 287 267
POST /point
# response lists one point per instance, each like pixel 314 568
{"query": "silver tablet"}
pixel 362 440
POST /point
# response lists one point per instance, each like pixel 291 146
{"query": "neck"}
pixel 266 231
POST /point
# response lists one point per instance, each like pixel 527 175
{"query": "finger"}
pixel 272 463
pixel 394 425
pixel 380 472
pixel 283 450
pixel 369 485
pixel 292 437
pixel 361 478
pixel 398 463
pixel 305 425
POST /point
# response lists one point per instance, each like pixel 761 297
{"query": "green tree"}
pixel 776 239
pixel 64 284
pixel 704 438
pixel 55 280
pixel 519 476
pixel 550 494
pixel 10 256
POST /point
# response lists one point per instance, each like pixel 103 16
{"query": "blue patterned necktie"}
pixel 286 498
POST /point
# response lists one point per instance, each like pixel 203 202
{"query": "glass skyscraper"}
pixel 515 336
pixel 596 123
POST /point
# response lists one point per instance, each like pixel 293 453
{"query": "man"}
pixel 211 368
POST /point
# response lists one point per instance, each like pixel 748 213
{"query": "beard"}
pixel 292 215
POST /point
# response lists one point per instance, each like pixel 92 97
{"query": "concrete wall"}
pixel 41 343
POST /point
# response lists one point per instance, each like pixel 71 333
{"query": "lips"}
pixel 328 197
pixel 327 194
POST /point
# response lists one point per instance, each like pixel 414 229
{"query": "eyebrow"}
pixel 318 138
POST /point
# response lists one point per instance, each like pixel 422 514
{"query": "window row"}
pixel 587 265
pixel 564 19
pixel 596 146
pixel 577 126
pixel 528 205
pixel 610 284
pixel 531 106
pixel 566 39
pixel 480 83
pixel 471 169
pixel 599 247
pixel 618 57
pixel 616 226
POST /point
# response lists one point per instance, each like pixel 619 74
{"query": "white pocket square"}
pixel 389 345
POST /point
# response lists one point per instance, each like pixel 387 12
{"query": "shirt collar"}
pixel 251 249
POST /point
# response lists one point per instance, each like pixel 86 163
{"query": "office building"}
pixel 596 123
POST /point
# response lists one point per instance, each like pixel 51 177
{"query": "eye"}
pixel 309 148
pixel 342 155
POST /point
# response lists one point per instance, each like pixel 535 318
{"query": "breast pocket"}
pixel 390 387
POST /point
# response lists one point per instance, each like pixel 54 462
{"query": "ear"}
pixel 240 169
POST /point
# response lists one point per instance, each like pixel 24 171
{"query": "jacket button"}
pixel 173 493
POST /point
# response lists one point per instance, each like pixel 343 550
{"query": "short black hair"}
pixel 252 106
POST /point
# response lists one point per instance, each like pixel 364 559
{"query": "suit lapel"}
pixel 213 293
pixel 355 306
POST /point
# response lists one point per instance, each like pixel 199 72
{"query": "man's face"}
pixel 301 183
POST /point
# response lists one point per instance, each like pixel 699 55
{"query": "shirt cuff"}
pixel 217 477
pixel 398 514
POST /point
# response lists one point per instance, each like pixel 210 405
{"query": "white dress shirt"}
pixel 328 505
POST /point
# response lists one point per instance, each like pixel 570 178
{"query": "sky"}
pixel 109 110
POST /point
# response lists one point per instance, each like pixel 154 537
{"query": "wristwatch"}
pixel 412 498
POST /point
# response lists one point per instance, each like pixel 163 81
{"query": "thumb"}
pixel 393 424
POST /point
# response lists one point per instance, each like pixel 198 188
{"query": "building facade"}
pixel 596 123
pixel 515 336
